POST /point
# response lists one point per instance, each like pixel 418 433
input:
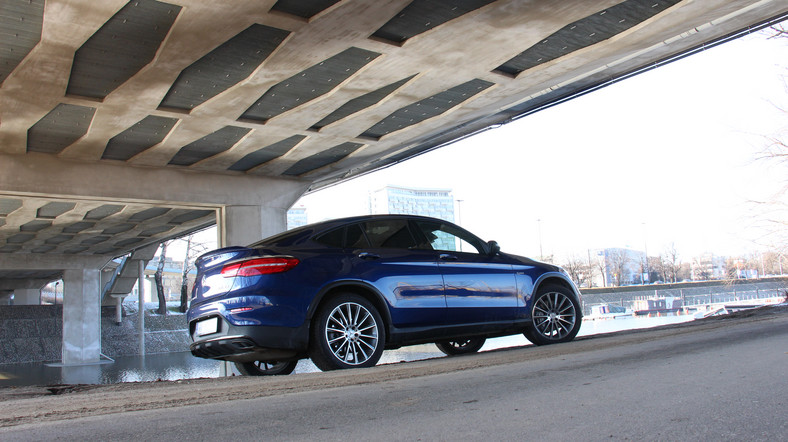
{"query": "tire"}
pixel 555 316
pixel 347 332
pixel 266 368
pixel 460 346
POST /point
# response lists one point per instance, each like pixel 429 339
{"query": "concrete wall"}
pixel 33 333
pixel 163 334
pixel 30 333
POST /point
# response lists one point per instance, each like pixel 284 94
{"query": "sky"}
pixel 665 158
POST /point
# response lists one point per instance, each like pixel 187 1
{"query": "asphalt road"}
pixel 708 380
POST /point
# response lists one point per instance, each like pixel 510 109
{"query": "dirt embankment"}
pixel 20 405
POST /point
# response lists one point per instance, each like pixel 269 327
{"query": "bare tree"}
pixel 601 266
pixel 193 251
pixel 773 262
pixel 158 278
pixel 592 271
pixel 185 276
pixel 578 270
pixel 672 264
pixel 772 211
pixel 655 266
pixel 699 271
pixel 778 31
pixel 617 261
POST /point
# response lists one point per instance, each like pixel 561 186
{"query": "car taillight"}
pixel 259 266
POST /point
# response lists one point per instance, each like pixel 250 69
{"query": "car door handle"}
pixel 367 255
pixel 448 257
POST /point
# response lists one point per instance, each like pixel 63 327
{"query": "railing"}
pixel 115 276
pixel 754 292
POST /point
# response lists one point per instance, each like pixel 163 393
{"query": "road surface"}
pixel 716 379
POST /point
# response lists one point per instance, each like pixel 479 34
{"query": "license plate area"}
pixel 207 327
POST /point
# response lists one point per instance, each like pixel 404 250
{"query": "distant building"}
pixel 708 266
pixel 622 266
pixel 296 217
pixel 437 203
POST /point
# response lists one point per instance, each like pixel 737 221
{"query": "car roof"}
pixel 302 233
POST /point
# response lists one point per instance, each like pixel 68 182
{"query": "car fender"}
pixel 552 276
pixel 355 285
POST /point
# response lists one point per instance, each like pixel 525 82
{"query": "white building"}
pixel 707 267
pixel 296 217
pixel 437 203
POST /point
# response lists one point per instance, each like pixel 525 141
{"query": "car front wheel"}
pixel 348 332
pixel 460 346
pixel 266 368
pixel 555 316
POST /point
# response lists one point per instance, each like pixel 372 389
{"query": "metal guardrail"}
pixel 692 294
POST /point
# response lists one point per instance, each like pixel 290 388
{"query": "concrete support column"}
pixel 243 225
pixel 27 296
pixel 81 316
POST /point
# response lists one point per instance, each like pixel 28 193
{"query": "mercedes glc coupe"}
pixel 341 292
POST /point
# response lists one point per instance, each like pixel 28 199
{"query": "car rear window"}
pixel 286 239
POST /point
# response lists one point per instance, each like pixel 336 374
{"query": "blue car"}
pixel 342 291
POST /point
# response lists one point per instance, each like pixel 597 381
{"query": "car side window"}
pixel 344 237
pixel 355 238
pixel 447 238
pixel 334 238
pixel 389 234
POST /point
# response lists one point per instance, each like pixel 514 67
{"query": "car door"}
pixel 387 256
pixel 478 287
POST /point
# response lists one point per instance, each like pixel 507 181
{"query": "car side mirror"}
pixel 493 248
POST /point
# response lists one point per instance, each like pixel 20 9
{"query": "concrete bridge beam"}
pixel 243 225
pixel 27 296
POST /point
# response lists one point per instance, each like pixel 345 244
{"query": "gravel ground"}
pixel 22 405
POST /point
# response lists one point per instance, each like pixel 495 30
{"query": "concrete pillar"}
pixel 81 316
pixel 243 225
pixel 27 296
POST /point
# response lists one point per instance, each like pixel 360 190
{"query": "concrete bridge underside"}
pixel 124 123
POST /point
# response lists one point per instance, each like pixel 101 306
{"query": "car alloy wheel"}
pixel 352 333
pixel 349 334
pixel 555 316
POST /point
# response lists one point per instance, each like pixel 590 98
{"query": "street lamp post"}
pixel 645 250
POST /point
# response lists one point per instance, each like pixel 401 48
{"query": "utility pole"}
pixel 645 249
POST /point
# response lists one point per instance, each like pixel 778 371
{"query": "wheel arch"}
pixel 358 288
pixel 559 279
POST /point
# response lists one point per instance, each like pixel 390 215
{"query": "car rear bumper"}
pixel 247 343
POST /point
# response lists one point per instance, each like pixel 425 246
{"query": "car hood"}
pixel 532 262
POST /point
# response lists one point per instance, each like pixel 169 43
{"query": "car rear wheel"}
pixel 266 368
pixel 555 316
pixel 348 332
pixel 461 346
